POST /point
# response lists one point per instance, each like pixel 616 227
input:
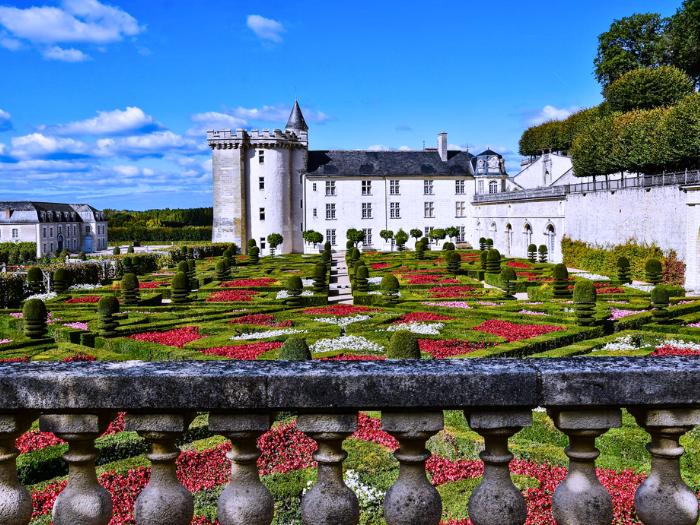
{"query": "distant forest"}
pixel 191 224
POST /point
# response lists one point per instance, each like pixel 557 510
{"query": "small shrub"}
pixel 222 270
pixel 180 288
pixel 532 253
pixel 294 289
pixel 483 258
pixel 403 345
pixel 542 251
pixel 390 289
pixel 252 244
pixel 130 289
pixel 453 261
pixel 361 275
pixel 254 255
pixel 60 280
pixel 561 280
pixel 493 261
pixel 116 250
pixel 320 272
pixel 584 302
pixel 420 250
pixel 623 270
pixel 130 249
pixel 448 246
pixel 34 318
pixel 489 244
pixel 509 278
pixel 82 256
pixel 295 349
pixel 659 302
pixel 106 308
pixel 482 243
pixel 35 280
pixel 652 271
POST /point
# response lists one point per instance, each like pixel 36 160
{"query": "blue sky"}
pixel 107 102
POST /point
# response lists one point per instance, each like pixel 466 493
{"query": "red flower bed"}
pixel 36 440
pixel 514 331
pixel 339 309
pixel 604 288
pixel 418 317
pixel 243 296
pixel 249 283
pixel 379 266
pixel 450 292
pixel 528 275
pixel 246 352
pixel 675 350
pixel 518 264
pixel 427 278
pixel 370 429
pixel 79 357
pixel 177 337
pixel 23 359
pixel 284 448
pixel 84 299
pixel 443 348
pixel 260 320
pixel 152 284
pixel 353 357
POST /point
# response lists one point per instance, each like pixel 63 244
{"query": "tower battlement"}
pixel 228 139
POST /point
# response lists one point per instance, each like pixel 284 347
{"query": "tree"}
pixel 452 232
pixel 684 39
pixel 437 234
pixel 401 239
pixel 646 88
pixel 274 240
pixel 312 237
pixel 355 235
pixel 387 235
pixel 416 233
pixel 631 42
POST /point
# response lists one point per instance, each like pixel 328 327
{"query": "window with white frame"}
pixel 427 230
pixel 480 187
pixel 394 187
pixel 395 210
pixel 428 210
pixel 427 187
pixel 459 187
pixel 330 211
pixel 330 236
pixel 366 210
pixel 15 233
pixel 368 236
pixel 459 209
pixel 261 156
pixel 462 234
pixel 366 187
pixel 330 188
pixel 493 187
pixel 262 214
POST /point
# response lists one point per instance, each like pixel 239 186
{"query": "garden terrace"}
pixel 583 397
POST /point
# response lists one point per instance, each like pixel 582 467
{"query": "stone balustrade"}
pixel 583 396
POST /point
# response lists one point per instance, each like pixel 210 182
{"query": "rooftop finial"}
pixel 296 120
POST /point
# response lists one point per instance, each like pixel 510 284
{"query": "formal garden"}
pixel 209 302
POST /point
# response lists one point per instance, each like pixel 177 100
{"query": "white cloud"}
pixel 10 43
pixel 86 21
pixel 64 54
pixel 113 122
pixel 278 113
pixel 378 147
pixel 37 145
pixel 550 112
pixel 241 117
pixel 405 148
pixel 133 171
pixel 214 120
pixel 2 148
pixel 5 120
pixel 152 144
pixel 265 28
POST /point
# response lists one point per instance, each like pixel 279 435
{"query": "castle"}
pixel 270 182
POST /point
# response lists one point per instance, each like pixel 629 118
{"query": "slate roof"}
pixel 32 212
pixel 296 119
pixel 489 152
pixel 388 163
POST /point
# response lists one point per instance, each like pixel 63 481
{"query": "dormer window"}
pixel 493 187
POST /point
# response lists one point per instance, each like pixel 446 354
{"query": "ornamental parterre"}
pixel 241 296
pixel 515 331
pixel 178 337
pixel 261 282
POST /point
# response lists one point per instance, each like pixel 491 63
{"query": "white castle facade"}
pixel 270 182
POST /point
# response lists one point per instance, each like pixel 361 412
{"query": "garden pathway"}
pixel 340 290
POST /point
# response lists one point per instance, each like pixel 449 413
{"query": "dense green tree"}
pixel 684 39
pixel 401 239
pixel 274 240
pixel 355 235
pixel 647 88
pixel 416 233
pixel 387 235
pixel 313 237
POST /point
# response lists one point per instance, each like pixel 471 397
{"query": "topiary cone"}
pixel 403 345
pixel 361 276
pixel 320 271
pixel 34 318
pixel 561 280
pixel 35 280
pixel 659 302
pixel 295 349
pixel 390 289
pixel 106 308
pixel 130 289
pixel 584 302
pixel 493 261
pixel 222 270
pixel 60 281
pixel 623 270
pixel 509 278
pixel 294 289
pixel 653 270
pixel 180 288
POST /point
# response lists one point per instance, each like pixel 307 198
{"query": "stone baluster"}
pixel 412 500
pixel 329 501
pixel 580 499
pixel 497 501
pixel 15 501
pixel 664 498
pixel 245 501
pixel 164 501
pixel 84 500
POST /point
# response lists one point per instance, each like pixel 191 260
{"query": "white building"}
pixel 53 227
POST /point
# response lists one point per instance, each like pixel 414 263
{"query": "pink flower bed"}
pixel 448 304
pixel 354 357
pixel 617 313
pixel 605 288
pixel 84 299
pixel 76 326
pixel 260 320
pixel 418 317
pixel 339 309
pixel 5 341
pixel 249 283
pixel 246 352
pixel 443 348
pixel 513 331
pixel 243 296
pixel 693 325
pixel 450 292
pixel 177 337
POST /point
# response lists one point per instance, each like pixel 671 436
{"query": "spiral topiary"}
pixel 508 277
pixel 128 265
pixel 659 302
pixel 390 289
pixel 489 244
pixel 584 302
pixel 532 253
pixel 482 243
pixel 192 274
pixel 222 270
pixel 180 288
pixel 106 308
pixel 453 262
pixel 652 271
pixel 60 280
pixel 623 270
pixel 35 280
pixel 320 272
pixel 254 255
pixel 420 250
pixel 327 247
pixel 403 345
pixel 294 289
pixel 295 349
pixel 130 289
pixel 561 280
pixel 361 276
pixel 483 258
pixel 34 318
pixel 354 256
pixel 542 251
pixel 493 261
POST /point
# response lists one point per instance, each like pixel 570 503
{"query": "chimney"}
pixel 442 146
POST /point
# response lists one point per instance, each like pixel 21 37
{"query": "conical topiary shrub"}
pixel 34 318
pixel 508 277
pixel 183 267
pixel 390 289
pixel 60 280
pixel 352 271
pixel 652 271
pixel 222 270
pixel 483 258
pixel 420 250
pixel 295 349
pixel 532 253
pixel 493 261
pixel 192 274
pixel 320 272
pixel 294 289
pixel 35 280
pixel 180 288
pixel 482 243
pixel 127 265
pixel 623 270
pixel 361 276
pixel 254 255
pixel 106 308
pixel 489 244
pixel 403 345
pixel 354 256
pixel 130 289
pixel 659 302
pixel 453 262
pixel 584 302
pixel 542 251
pixel 561 280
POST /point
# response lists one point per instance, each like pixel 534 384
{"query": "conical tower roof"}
pixel 296 119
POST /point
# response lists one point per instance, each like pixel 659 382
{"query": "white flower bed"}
pixel 367 496
pixel 641 287
pixel 621 344
pixel 354 343
pixel 43 296
pixel 374 280
pixel 418 328
pixel 307 282
pixel 377 292
pixel 342 321
pixel 267 335
pixel 590 276
pixel 695 347
pixel 85 287
pixel 283 294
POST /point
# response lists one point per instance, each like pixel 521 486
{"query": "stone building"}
pixel 53 227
